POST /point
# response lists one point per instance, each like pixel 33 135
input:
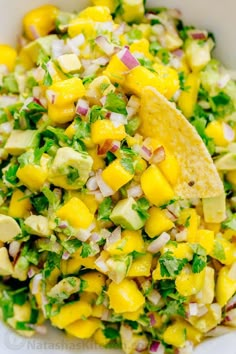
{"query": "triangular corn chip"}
pixel 198 177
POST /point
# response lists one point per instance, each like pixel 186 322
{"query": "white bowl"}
pixel 215 15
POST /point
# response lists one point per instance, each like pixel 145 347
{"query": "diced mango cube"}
pixel 70 313
pixel 125 296
pixel 188 283
pixel 188 98
pixel 190 219
pixel 7 56
pixel 179 250
pixel 141 266
pixel 130 241
pixel 208 321
pixel 116 176
pixel 98 161
pixel 157 222
pixel 133 316
pixel 76 213
pixel 141 46
pixel 100 338
pixel 216 131
pixel 66 91
pixel 155 186
pixel 180 331
pixel 81 25
pixel 32 176
pixel 165 80
pixel 61 114
pixel 96 13
pixel 206 239
pixel 19 207
pixel 98 310
pixel 207 294
pixel 225 286
pixel 111 4
pixel 40 21
pixel 84 329
pixel 104 129
pixel 116 70
pixel 94 282
pixel 69 63
pixel 133 11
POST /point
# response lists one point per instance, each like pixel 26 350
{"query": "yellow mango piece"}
pixel 89 297
pixel 81 25
pixel 116 176
pixel 61 114
pixel 104 129
pixel 188 283
pixel 156 274
pixel 125 296
pixel 155 186
pixel 100 338
pixel 231 177
pixel 70 130
pixel 141 266
pixel 206 239
pixel 213 226
pixel 98 161
pixel 133 11
pixel 71 266
pixel 130 241
pixel 179 250
pixel 98 310
pixel 157 222
pixel 180 331
pixel 225 286
pixel 70 313
pixel 7 56
pixel 90 201
pixel 83 329
pixel 215 130
pixel 96 13
pixel 116 70
pixel 66 91
pixel 208 321
pixel 111 4
pixel 141 46
pixel 19 208
pixel 133 316
pixel 32 176
pixel 76 213
pixel 188 98
pixel 165 80
pixel 94 282
pixel 207 293
pixel 189 218
pixel 40 20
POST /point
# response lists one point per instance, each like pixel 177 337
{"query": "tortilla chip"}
pixel 198 176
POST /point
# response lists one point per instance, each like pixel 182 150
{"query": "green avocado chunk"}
pixel 214 209
pixel 20 141
pixel 43 44
pixel 124 215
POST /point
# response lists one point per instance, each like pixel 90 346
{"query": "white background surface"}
pixel 215 15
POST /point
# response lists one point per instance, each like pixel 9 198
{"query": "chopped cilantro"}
pixel 200 124
pixel 222 104
pixel 58 134
pixel 110 157
pixel 182 80
pixel 38 152
pixel 10 84
pixel 53 261
pixel 72 245
pixel 132 126
pixel 199 258
pixel 82 129
pixel 218 251
pixel 10 174
pixel 104 209
pixel 174 308
pixel 141 206
pixel 6 305
pixel 96 113
pixel 115 103
pixel 155 21
pixel 133 35
pixel 39 202
pixel 230 223
pixel 86 250
pixel 88 79
pixel 72 175
pixel 154 48
pixel 170 265
pixel 111 333
pixel 51 197
pixel 128 165
pixel 136 254
pixel 147 63
pixel 164 55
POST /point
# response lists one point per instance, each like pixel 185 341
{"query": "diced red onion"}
pixel 156 348
pixel 152 319
pixel 198 35
pixel 37 91
pixel 141 345
pixel 57 48
pixel 66 256
pixel 101 264
pixel 31 272
pixel 178 53
pixel 187 349
pixel 92 184
pixel 128 59
pixel 228 132
pixel 95 237
pixel 134 191
pixel 219 331
pixel 114 236
pixel 118 119
pixel 73 48
pixel 6 128
pixel 102 61
pixel 193 309
pixel 126 334
pixel 154 297
pixel 145 153
pixel 175 13
pixel 105 315
pixel 84 234
pixel 51 96
pixel 82 107
pixel 36 283
pixel 181 236
pixel 91 70
pixel 224 80
pixel 104 148
pixel 3 69
pixel 115 145
pixel 231 303
pixel 63 225
pixel 98 196
pixel 103 100
pixel 38 73
pixel 78 40
pixel 104 188
pixel 103 44
pixel 158 155
pixel 39 329
pixel 230 318
pixel 14 248
pixel 34 32
pixel 158 243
